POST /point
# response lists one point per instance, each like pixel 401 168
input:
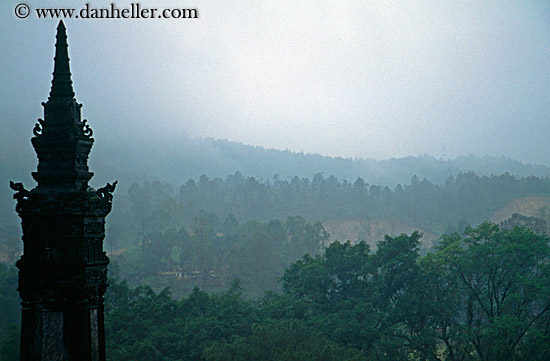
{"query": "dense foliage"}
pixel 484 295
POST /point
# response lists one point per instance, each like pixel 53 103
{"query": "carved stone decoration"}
pixel 87 131
pixel 63 269
pixel 37 128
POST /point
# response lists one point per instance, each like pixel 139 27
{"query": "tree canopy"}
pixel 483 295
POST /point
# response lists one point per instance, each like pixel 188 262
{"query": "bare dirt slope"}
pixel 527 206
pixel 372 230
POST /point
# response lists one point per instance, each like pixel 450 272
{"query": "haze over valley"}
pixel 338 181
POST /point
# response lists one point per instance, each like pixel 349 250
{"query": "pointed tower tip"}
pixel 62 85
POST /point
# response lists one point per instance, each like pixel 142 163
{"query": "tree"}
pixel 364 300
pixel 230 224
pixel 495 285
pixel 258 262
pixel 144 325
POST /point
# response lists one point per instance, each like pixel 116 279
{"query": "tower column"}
pixel 63 269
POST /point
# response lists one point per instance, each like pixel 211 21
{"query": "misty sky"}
pixel 369 79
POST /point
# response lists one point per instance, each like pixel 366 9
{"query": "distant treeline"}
pixel 466 198
pixel 178 160
pixel 189 158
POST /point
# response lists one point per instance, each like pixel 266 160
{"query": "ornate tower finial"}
pixel 62 85
pixel 62 139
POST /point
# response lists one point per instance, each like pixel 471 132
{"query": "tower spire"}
pixel 62 139
pixel 62 85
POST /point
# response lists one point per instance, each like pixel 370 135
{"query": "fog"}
pixel 349 79
pixel 335 180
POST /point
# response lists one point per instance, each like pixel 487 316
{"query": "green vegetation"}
pixel 468 198
pixel 213 253
pixel 168 238
pixel 482 295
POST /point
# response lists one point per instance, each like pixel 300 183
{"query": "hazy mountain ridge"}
pixel 176 162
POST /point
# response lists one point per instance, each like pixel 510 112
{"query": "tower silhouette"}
pixel 63 269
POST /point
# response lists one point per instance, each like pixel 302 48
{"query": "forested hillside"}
pixel 466 199
pixel 275 181
pixel 191 158
pixel 211 253
pixel 211 231
pixel 207 232
pixel 481 295
pixel 341 300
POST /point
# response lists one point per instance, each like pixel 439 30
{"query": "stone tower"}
pixel 63 269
